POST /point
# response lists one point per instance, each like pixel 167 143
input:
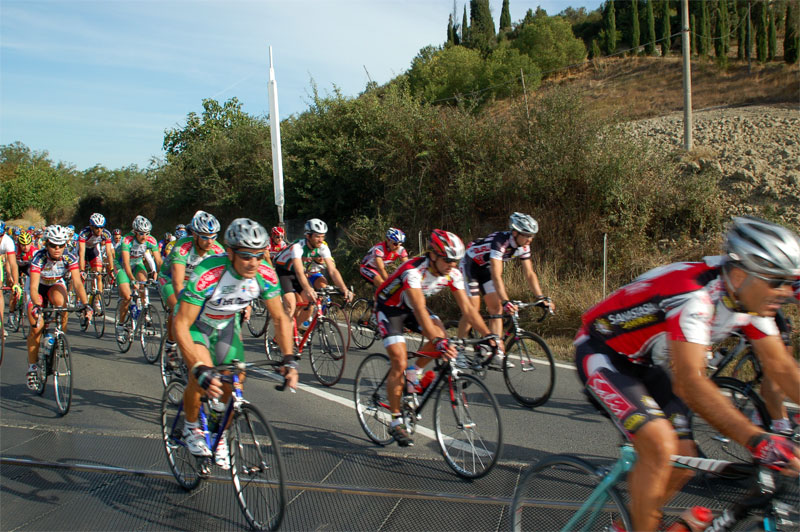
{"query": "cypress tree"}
pixel 665 28
pixel 596 52
pixel 505 18
pixel 610 27
pixel 702 29
pixel 791 41
pixel 693 33
pixel 748 42
pixel 481 28
pixel 464 28
pixel 635 37
pixel 650 47
pixel 450 39
pixel 761 31
pixel 772 36
pixel 741 40
pixel 707 33
pixel 723 29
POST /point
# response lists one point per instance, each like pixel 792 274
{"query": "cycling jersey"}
pixel 184 252
pixel 415 273
pixel 135 248
pixel 7 247
pixel 24 258
pixel 500 245
pixel 274 249
pixel 382 251
pixel 301 250
pixel 94 241
pixel 50 271
pixel 685 301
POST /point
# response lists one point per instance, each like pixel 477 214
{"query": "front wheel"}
pixel 468 428
pixel 62 374
pixel 529 370
pixel 184 465
pixel 257 323
pixel 172 365
pixel 151 333
pixel 271 348
pixel 327 351
pixel 363 324
pixel 551 493
pixel 257 469
pixel 337 314
pixel 372 403
pixel 108 285
pixel 99 318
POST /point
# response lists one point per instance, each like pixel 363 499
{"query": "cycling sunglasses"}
pixel 56 246
pixel 247 255
pixel 775 282
pixel 206 237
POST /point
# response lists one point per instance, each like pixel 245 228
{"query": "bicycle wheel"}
pixel 712 444
pixel 362 320
pixel 271 348
pixel 126 339
pixel 172 366
pixel 107 286
pixel 83 321
pixel 372 403
pixel 551 492
pixel 468 427
pixel 62 374
pixel 184 465
pixel 533 376
pixel 257 469
pixel 151 332
pixel 43 369
pixel 326 350
pixel 99 318
pixel 25 325
pixel 337 314
pixel 257 323
pixel 14 320
pixel 414 340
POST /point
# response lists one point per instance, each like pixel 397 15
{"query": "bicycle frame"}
pixel 299 342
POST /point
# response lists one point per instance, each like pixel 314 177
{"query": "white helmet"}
pixel 57 235
pixel 315 225
pixel 203 222
pixel 246 233
pixel 97 220
pixel 758 246
pixel 523 223
pixel 142 224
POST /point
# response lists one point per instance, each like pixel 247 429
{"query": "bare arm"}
pixel 283 328
pixel 81 253
pixel 417 300
pixel 381 268
pixel 337 278
pixel 186 316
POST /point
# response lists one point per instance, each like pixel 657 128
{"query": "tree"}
pixel 635 37
pixel 741 40
pixel 772 36
pixel 760 14
pixel 610 27
pixel 596 52
pixel 650 47
pixel 791 41
pixel 464 27
pixel 481 24
pixel 450 38
pixel 549 41
pixel 701 30
pixel 505 18
pixel 666 32
pixel 723 29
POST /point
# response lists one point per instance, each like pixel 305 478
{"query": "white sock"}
pixel 780 425
pixel 190 425
pixel 32 367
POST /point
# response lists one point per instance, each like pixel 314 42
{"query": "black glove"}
pixel 204 375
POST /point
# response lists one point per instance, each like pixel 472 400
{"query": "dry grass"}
pixel 29 217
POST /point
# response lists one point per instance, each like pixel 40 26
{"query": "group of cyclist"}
pixel 641 352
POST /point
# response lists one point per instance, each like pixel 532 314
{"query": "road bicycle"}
pixel 364 326
pixel 16 319
pixel 567 493
pixel 142 323
pixel 257 469
pixel 327 348
pixel 96 303
pixel 55 357
pixel 109 285
pixel 528 368
pixel 466 414
pixel 257 324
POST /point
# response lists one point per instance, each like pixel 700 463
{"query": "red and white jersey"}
pixel 274 248
pixel 684 301
pixel 499 245
pixel 416 273
pixel 381 251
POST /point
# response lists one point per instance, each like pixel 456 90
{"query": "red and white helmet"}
pixel 446 245
pixel 277 232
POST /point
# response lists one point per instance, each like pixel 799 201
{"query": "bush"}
pixel 550 43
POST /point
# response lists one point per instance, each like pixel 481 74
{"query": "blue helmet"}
pixel 2 226
pixel 17 231
pixel 31 228
pixel 97 220
pixel 395 235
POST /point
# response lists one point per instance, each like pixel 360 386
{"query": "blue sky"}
pixel 98 82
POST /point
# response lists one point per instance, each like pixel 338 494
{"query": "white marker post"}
pixel 275 134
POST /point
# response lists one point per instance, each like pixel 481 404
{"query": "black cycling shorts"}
pixel 477 278
pixel 392 321
pixel 632 394
pixel 288 281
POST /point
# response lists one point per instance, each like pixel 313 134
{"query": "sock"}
pixel 396 419
pixel 32 367
pixel 781 425
pixel 190 425
pixel 169 345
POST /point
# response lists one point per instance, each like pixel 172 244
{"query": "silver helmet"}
pixel 142 224
pixel 762 247
pixel 203 222
pixel 523 223
pixel 315 225
pixel 246 233
pixel 57 235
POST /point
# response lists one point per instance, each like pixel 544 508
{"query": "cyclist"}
pixel 642 355
pixel 277 241
pixel 9 251
pixel 92 240
pixel 289 265
pixel 178 266
pixel 372 267
pixel 25 252
pixel 401 303
pixel 207 324
pixel 162 244
pixel 482 267
pixel 49 270
pixel 180 232
pixel 130 264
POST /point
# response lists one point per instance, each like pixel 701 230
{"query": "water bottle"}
pixel 135 311
pixel 427 379
pixel 49 340
pixel 693 519
pixel 215 412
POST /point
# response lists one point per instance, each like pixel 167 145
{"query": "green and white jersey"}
pixel 135 248
pixel 184 252
pixel 222 293
pixel 301 250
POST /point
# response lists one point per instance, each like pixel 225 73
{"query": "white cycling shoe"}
pixel 195 440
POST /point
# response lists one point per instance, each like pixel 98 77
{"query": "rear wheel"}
pixel 327 351
pixel 271 348
pixel 257 323
pixel 363 324
pixel 372 403
pixel 62 374
pixel 533 375
pixel 184 465
pixel 337 314
pixel 99 318
pixel 124 340
pixel 108 285
pixel 151 333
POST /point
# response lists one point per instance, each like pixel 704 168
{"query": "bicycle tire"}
pixel 371 400
pixel 83 321
pixel 62 374
pixel 182 463
pixel 257 469
pixel 362 322
pixel 532 379
pixel 124 345
pixel 175 371
pixel 14 319
pixel 257 324
pixel 271 349
pixel 42 368
pixel 107 289
pixel 99 318
pixel 336 313
pixel 710 443
pixel 150 334
pixel 25 324
pixel 550 493
pixel 327 352
pixel 468 426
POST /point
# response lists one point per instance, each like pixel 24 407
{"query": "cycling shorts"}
pixel 632 394
pixel 122 277
pixel 392 321
pixel 93 257
pixel 312 278
pixel 368 273
pixel 288 281
pixel 44 292
pixel 225 345
pixel 166 288
pixel 477 278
